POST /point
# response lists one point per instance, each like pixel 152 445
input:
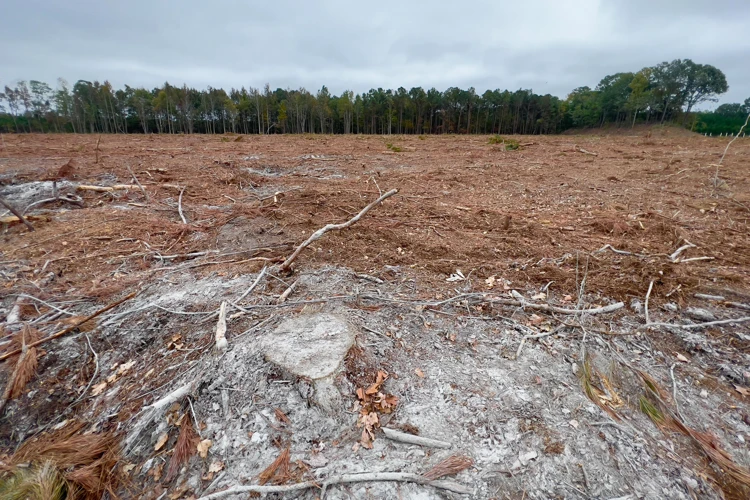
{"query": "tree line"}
pixel 663 93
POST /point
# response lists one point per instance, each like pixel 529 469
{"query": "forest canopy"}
pixel 667 92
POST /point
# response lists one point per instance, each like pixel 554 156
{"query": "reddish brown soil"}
pixel 530 216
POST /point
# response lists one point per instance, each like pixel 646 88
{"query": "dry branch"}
pixel 282 298
pixel 521 301
pixel 179 206
pixel 135 179
pixel 77 201
pixel 72 327
pixel 695 326
pixel 537 336
pixel 221 328
pixel 330 227
pixel 403 437
pixel 581 150
pixel 16 213
pixel 96 151
pixel 645 305
pixel 343 479
pixel 106 189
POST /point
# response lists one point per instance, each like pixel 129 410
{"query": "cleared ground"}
pixel 472 222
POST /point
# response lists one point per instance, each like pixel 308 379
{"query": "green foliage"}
pixel 665 92
pixel 510 144
pixel 395 149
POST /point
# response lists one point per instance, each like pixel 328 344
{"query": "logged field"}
pixel 530 216
pixel 505 295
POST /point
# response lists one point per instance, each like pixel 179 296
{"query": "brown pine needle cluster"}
pixel 25 366
pixel 451 465
pixel 278 472
pixel 183 449
pixel 85 462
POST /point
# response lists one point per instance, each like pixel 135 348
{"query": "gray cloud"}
pixel 546 45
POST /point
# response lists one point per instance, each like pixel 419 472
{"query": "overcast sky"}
pixel 550 46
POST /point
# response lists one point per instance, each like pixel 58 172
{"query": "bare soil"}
pixel 534 220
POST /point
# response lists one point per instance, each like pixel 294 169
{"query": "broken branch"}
pixel 403 437
pixel 521 301
pixel 16 213
pixel 346 478
pixel 581 150
pixel 179 206
pixel 330 227
pixel 70 328
pixel 106 189
pixel 135 179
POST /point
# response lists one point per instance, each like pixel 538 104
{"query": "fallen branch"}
pixel 135 179
pixel 221 328
pixel 154 410
pixel 403 437
pixel 93 377
pixel 282 298
pixel 645 305
pixel 677 252
pixel 77 201
pixel 581 150
pixel 521 301
pixel 106 189
pixel 179 206
pixel 343 479
pixel 72 327
pixel 330 227
pixel 695 326
pixel 96 151
pixel 16 213
pixel 537 336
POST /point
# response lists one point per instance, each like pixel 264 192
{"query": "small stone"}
pixel 574 424
pixel 671 306
pixel 690 483
pixel 704 393
pixel 700 314
pixel 524 458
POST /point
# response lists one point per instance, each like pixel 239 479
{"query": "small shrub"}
pixel 422 138
pixel 393 148
pixel 510 144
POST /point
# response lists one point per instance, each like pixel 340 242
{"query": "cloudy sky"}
pixel 550 46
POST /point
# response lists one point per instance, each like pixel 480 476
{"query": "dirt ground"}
pixel 480 248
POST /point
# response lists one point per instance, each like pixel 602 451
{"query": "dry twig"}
pixel 343 479
pixel 72 327
pixel 403 437
pixel 330 227
pixel 179 206
pixel 135 179
pixel 16 213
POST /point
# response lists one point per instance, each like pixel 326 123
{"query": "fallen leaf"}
pixel 682 358
pixel 567 298
pixel 539 296
pixel 127 468
pixel 161 442
pixel 98 388
pixel 742 390
pixel 125 367
pixel 216 466
pixel 419 373
pixel 490 281
pixel 203 447
pixel 535 319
